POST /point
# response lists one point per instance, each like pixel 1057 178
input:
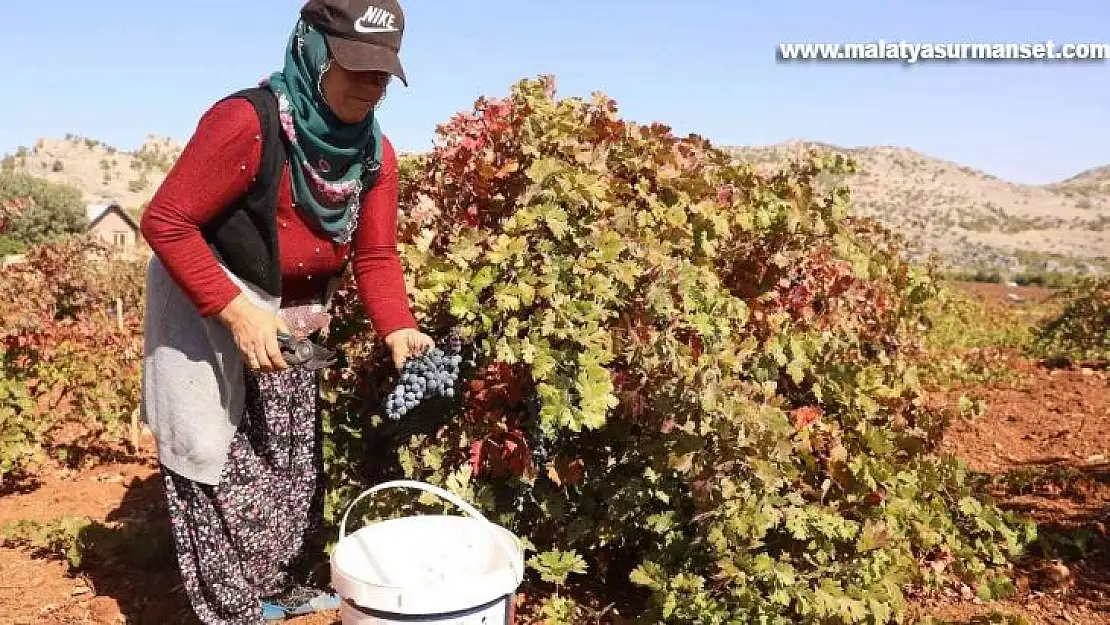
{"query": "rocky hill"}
pixel 1093 182
pixel 972 218
pixel 100 171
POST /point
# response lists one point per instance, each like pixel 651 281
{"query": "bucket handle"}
pixel 443 494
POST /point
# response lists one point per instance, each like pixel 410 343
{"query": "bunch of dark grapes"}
pixel 454 341
pixel 537 442
pixel 434 373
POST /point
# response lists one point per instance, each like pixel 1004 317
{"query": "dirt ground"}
pixel 1045 438
pixel 1044 435
pixel 128 577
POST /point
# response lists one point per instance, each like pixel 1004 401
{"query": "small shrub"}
pixel 139 184
pixel 10 245
pixel 1081 331
pixel 1047 279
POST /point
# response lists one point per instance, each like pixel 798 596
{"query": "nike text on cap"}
pixel 364 35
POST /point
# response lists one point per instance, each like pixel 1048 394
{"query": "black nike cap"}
pixel 363 35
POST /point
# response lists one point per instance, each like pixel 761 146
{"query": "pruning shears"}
pixel 303 352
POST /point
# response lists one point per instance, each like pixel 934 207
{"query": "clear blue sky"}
pixel 120 69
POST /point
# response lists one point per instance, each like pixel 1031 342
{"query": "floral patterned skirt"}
pixel 240 541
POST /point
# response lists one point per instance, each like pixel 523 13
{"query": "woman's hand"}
pixel 407 342
pixel 255 332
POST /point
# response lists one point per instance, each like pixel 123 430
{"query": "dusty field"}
pixel 1044 435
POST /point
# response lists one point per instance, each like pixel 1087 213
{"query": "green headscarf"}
pixel 328 155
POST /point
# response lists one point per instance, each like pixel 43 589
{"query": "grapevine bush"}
pixel 960 321
pixel 1081 331
pixel 691 390
pixel 63 357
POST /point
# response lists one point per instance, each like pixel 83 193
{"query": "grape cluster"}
pixel 433 373
pixel 454 342
pixel 537 442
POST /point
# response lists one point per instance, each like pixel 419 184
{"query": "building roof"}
pixel 95 211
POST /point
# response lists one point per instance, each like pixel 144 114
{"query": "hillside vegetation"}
pixel 1093 182
pixel 100 171
pixel 971 218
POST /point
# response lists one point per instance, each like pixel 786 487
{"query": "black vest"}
pixel 244 236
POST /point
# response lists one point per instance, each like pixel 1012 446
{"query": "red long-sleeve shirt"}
pixel 217 166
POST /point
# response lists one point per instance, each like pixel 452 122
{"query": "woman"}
pixel 243 252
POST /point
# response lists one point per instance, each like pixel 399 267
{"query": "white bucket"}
pixel 427 569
